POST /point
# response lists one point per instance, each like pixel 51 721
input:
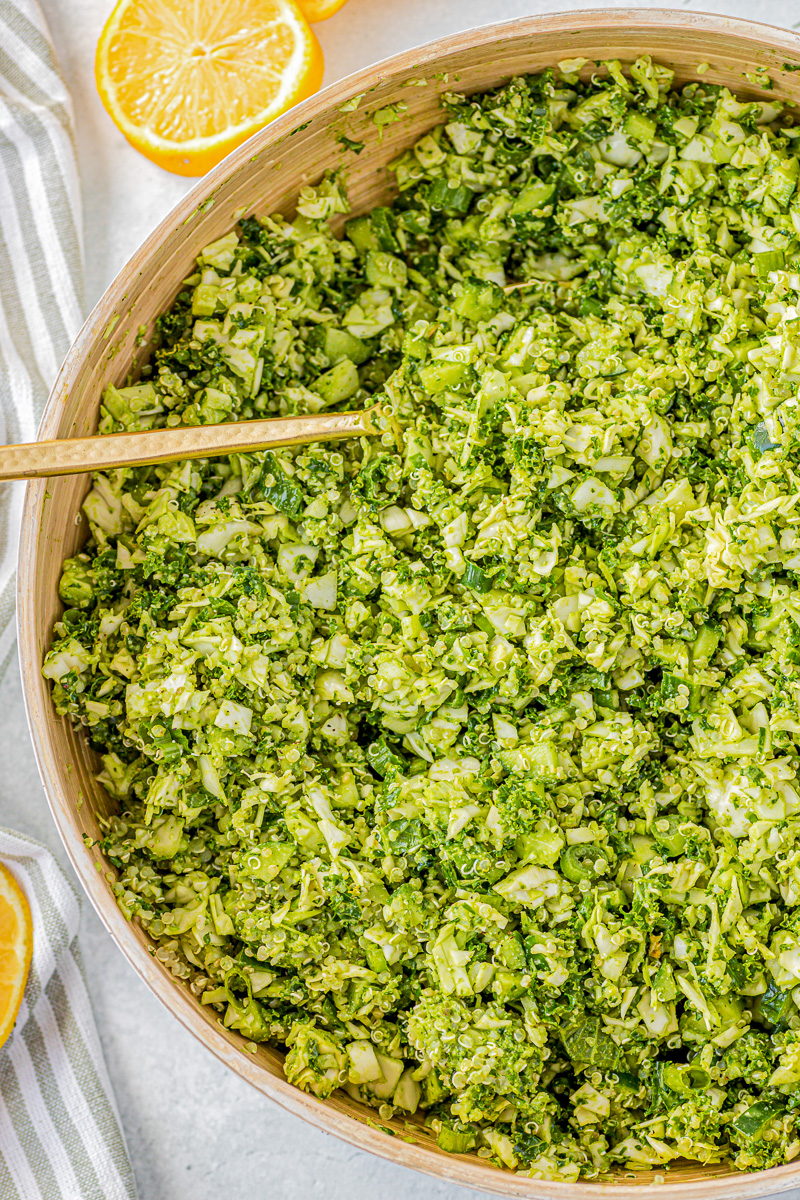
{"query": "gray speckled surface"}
pixel 194 1130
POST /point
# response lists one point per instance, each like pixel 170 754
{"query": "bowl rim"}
pixel 458 1169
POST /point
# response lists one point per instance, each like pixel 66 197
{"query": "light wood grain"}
pixel 265 175
pixel 71 456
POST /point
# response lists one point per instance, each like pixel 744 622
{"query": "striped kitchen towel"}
pixel 60 1134
pixel 41 262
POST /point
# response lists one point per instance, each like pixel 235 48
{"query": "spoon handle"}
pixel 71 456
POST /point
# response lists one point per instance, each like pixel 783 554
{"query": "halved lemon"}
pixel 16 947
pixel 187 80
pixel 320 10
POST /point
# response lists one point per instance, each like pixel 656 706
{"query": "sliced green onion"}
pixel 581 861
pixel 476 579
pixel 455 1141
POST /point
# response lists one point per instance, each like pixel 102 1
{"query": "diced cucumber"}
pixel 338 384
pixel 640 128
pixel 386 270
pixel 361 233
pixel 391 1070
pixel 444 198
pixel 407 1093
pixel 534 195
pixel 438 376
pixel 364 1066
pixel 204 299
pixel 511 953
pixel 337 344
pixel 705 644
pixel 540 762
pixel 479 300
pixel 416 345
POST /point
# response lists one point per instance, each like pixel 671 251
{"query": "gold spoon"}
pixel 71 456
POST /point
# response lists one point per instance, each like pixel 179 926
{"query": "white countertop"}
pixel 194 1130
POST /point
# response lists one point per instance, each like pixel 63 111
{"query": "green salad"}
pixel 460 761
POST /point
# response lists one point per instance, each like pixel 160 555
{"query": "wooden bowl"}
pixel 265 175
